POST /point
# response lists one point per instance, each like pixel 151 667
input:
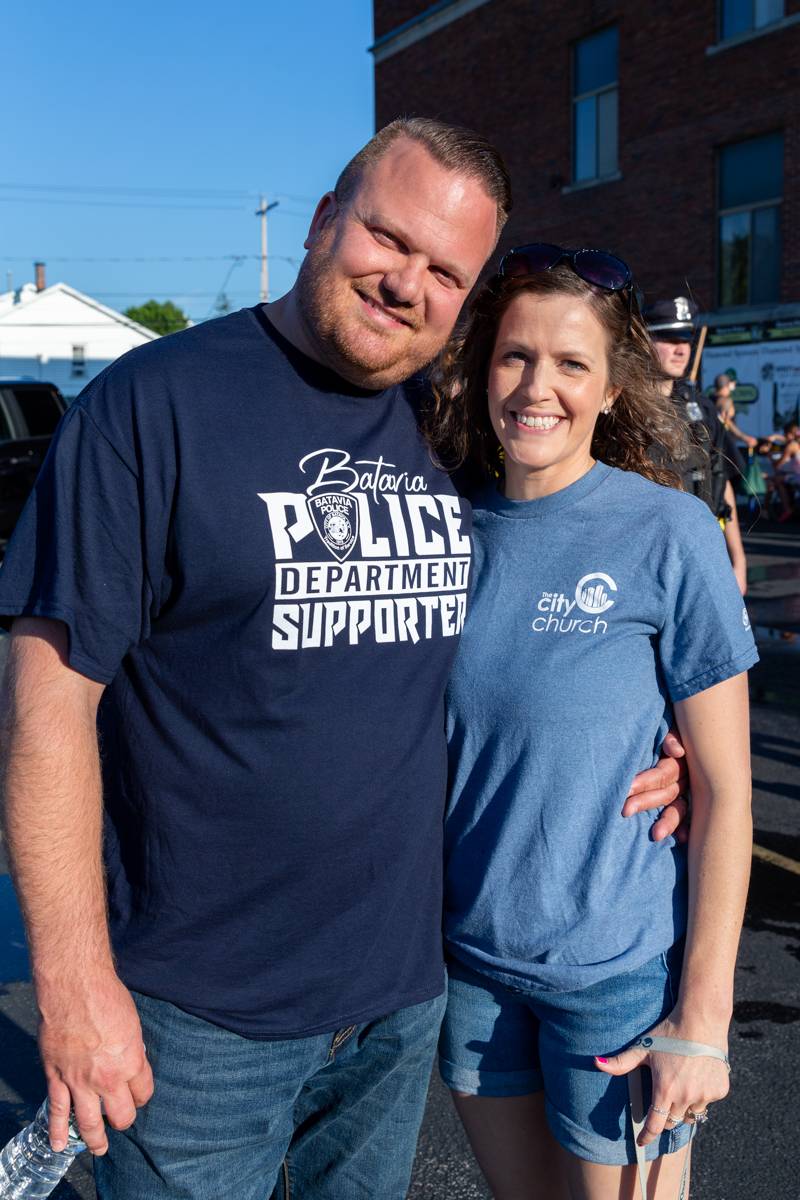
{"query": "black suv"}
pixel 29 413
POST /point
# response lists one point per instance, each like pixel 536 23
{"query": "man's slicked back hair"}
pixel 452 146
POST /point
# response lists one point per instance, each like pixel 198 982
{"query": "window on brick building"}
pixel 750 181
pixel 743 16
pixel 594 106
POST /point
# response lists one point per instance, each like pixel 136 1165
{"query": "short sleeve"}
pixel 706 636
pixel 76 554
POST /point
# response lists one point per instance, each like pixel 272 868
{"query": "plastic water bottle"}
pixel 29 1168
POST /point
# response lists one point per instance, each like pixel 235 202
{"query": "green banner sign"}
pixel 783 329
pixel 728 334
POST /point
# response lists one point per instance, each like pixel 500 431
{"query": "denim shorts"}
pixel 502 1041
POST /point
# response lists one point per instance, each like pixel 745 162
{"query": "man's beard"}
pixel 363 359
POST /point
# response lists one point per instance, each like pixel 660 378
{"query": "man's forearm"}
pixel 52 812
pixel 90 1038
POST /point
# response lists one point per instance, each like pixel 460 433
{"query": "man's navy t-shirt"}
pixel 266 569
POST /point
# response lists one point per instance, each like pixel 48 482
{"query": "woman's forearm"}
pixel 720 849
pixel 715 729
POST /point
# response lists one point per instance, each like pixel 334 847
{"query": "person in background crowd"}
pixel 786 471
pixel 263 623
pixel 789 433
pixel 724 387
pixel 714 461
pixel 565 925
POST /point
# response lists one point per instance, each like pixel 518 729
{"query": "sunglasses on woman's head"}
pixel 597 267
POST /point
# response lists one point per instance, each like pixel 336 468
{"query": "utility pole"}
pixel 262 211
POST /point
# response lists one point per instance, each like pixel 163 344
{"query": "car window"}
pixel 5 428
pixel 40 410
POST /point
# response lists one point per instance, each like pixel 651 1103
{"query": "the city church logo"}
pixel 591 595
pixel 335 517
pixel 561 611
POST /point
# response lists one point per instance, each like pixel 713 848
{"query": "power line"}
pixel 165 259
pixel 138 259
pixel 118 204
pixel 95 189
pixel 221 291
pixel 103 190
pixel 289 212
pixel 56 325
pixel 173 295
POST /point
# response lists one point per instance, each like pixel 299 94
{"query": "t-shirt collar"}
pixel 493 499
pixel 317 375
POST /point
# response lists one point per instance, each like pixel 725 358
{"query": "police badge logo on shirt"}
pixel 335 517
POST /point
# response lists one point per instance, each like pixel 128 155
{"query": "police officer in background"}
pixel 715 462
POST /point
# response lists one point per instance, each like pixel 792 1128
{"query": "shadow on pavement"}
pixel 20 1073
pixel 773 905
pixel 763 745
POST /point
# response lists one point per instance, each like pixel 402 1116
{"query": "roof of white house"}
pixel 16 306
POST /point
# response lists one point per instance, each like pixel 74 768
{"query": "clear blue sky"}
pixel 205 104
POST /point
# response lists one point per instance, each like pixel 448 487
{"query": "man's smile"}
pixel 380 313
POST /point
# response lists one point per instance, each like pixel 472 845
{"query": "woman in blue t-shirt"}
pixel 603 609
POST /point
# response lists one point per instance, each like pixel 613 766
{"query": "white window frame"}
pixel 595 93
pixel 734 210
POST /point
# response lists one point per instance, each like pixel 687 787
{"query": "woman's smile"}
pixel 537 422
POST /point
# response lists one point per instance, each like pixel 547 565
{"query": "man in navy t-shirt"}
pixel 242 567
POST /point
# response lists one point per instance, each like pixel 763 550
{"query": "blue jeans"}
pixel 343 1109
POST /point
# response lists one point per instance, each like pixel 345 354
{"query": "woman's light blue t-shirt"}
pixel 593 610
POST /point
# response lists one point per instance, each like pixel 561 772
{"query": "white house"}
pixel 59 335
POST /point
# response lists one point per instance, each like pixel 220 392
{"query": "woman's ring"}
pixel 699 1117
pixel 662 1112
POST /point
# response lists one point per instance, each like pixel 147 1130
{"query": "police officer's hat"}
pixel 673 319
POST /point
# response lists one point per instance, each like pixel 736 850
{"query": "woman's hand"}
pixel 680 1082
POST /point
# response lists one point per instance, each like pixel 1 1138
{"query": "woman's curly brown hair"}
pixel 643 431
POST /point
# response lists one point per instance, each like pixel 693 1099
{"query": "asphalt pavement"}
pixel 747 1150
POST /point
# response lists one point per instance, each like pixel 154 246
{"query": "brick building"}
pixel 669 134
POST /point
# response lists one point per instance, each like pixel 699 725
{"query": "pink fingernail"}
pixel 600 1059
